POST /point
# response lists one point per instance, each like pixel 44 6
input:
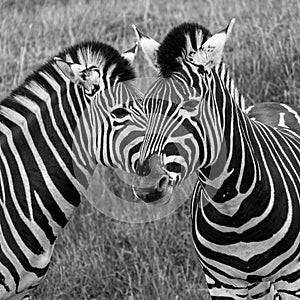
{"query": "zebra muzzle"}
pixel 153 185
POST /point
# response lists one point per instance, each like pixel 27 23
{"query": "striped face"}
pixel 113 120
pixel 172 110
pixel 121 126
pixel 182 132
pixel 174 138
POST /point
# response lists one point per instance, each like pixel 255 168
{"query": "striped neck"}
pixel 43 119
pixel 192 80
pixel 230 171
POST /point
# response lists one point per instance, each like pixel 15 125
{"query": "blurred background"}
pixel 97 257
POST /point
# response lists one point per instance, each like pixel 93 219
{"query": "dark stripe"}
pixel 2 282
pixel 59 121
pixel 26 235
pixel 57 175
pixel 17 251
pixel 106 130
pixel 72 89
pixel 20 195
pixel 290 278
pixel 217 283
pixel 36 180
pixel 15 172
pixel 9 265
pixel 42 220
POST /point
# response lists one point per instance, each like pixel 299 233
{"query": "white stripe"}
pixel 281 120
pixel 289 109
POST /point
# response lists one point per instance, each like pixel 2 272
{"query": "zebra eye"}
pixel 92 91
pixel 120 112
pixel 192 53
pixel 174 167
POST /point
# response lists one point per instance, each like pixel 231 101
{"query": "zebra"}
pixel 150 47
pixel 245 204
pixel 79 109
pixel 271 113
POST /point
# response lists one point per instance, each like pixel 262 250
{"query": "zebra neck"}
pixel 233 172
pixel 67 133
pixel 38 138
pixel 229 83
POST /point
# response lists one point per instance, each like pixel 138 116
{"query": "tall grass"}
pixel 100 258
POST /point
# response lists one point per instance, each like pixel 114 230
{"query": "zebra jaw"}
pixel 158 193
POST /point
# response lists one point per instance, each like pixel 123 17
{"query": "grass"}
pixel 97 257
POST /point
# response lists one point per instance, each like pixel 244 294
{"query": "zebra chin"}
pixel 154 195
pixel 152 183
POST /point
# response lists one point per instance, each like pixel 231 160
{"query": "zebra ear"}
pixel 149 47
pixel 88 78
pixel 131 53
pixel 71 70
pixel 211 51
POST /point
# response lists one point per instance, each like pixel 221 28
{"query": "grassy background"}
pixel 100 258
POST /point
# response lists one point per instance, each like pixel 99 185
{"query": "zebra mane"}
pixel 174 44
pixel 102 55
pixel 86 53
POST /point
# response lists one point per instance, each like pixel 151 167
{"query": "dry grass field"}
pixel 97 257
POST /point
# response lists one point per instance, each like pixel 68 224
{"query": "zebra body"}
pixel 277 115
pixel 245 205
pixel 74 112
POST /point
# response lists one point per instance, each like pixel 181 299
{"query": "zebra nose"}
pixel 151 165
pixel 143 168
pixel 163 183
pixel 152 185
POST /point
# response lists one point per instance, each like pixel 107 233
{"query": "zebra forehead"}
pixel 194 41
pixel 170 90
pixel 178 40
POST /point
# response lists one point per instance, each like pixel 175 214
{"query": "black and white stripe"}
pixel 54 129
pixel 245 206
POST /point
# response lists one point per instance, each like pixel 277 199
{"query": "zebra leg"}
pixel 264 290
pixel 288 284
pixel 224 291
pixel 289 288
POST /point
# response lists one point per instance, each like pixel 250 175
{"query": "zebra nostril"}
pixel 163 183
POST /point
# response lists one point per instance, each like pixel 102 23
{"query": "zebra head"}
pixel 180 115
pixel 113 118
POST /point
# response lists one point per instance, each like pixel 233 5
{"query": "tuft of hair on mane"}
pixel 94 52
pixel 98 51
pixel 172 46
